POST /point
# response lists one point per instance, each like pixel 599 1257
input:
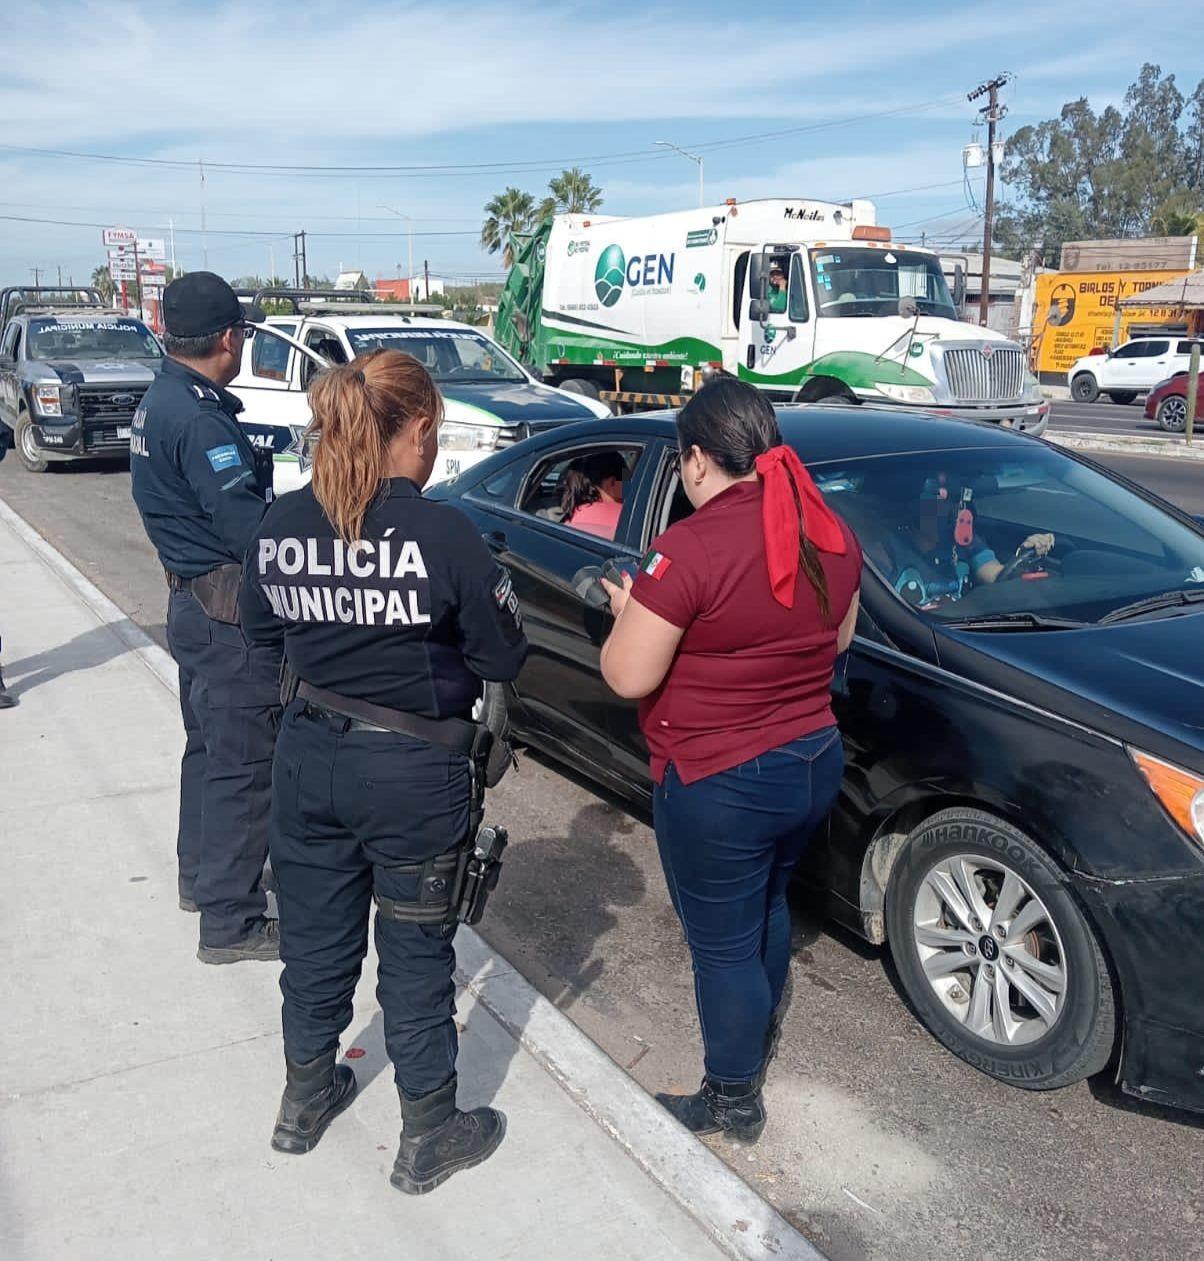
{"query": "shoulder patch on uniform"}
pixel 655 564
pixel 223 457
pixel 205 394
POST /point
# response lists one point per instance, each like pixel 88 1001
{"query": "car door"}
pixel 8 372
pixel 561 686
pixel 1128 367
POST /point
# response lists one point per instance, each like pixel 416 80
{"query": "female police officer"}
pixel 392 612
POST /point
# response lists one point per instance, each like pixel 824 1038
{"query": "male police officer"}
pixel 202 489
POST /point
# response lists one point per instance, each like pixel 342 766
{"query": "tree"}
pixel 102 279
pixel 1178 216
pixel 573 193
pixel 508 212
pixel 1083 175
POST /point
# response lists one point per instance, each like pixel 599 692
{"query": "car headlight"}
pixel 458 436
pixel 47 400
pixel 1180 792
pixel 907 393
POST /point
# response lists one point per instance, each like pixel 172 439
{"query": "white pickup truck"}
pixel 490 401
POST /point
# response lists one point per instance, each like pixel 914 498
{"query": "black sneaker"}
pixel 262 942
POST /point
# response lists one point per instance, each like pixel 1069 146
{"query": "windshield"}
pixel 451 356
pixel 91 339
pixel 864 282
pixel 944 529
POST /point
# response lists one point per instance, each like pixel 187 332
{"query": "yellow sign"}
pixel 1076 313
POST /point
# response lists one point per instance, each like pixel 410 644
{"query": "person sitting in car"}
pixel 941 553
pixel 592 496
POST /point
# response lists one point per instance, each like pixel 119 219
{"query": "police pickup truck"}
pixel 72 373
pixel 489 400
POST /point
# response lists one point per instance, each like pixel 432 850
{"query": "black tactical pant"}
pixel 230 703
pixel 347 806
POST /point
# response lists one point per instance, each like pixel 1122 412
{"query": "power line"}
pixel 427 170
pixel 241 232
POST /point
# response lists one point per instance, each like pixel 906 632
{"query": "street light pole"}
pixel 668 144
pixel 410 234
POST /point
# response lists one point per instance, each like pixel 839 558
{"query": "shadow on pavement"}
pixel 92 648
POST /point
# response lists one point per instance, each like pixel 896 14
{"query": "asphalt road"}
pixel 1106 418
pixel 881 1145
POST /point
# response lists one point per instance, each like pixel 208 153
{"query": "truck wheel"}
pixel 1122 397
pixel 995 955
pixel 1084 388
pixel 27 449
pixel 579 385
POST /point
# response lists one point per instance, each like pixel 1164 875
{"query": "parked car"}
pixel 1129 370
pixel 1022 816
pixel 490 401
pixel 72 374
pixel 1167 403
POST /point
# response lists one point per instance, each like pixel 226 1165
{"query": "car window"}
pixel 1132 350
pixel 327 344
pixel 449 355
pixel 1154 349
pixel 938 528
pixel 798 311
pixel 8 348
pixel 1183 348
pixel 269 355
pixel 83 337
pixel 581 487
pixel 502 487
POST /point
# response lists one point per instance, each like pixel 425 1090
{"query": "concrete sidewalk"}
pixel 140 1086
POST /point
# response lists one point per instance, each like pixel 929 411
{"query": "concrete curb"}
pixel 734 1216
pixel 1168 448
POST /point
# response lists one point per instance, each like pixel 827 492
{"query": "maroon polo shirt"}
pixel 749 674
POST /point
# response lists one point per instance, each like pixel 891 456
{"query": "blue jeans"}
pixel 729 844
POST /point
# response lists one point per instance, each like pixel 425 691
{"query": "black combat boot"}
pixel 314 1094
pixel 7 699
pixel 437 1139
pixel 734 1108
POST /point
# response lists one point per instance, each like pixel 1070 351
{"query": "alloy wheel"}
pixel 1172 415
pixel 990 950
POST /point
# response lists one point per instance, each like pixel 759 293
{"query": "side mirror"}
pixel 588 586
pixel 909 308
pixel 959 285
pixel 758 310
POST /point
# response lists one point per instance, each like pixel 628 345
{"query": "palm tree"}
pixel 102 280
pixel 1178 216
pixel 573 193
pixel 509 212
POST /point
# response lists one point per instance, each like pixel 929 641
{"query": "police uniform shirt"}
pixel 199 484
pixel 412 616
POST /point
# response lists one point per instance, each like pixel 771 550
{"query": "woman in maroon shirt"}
pixel 729 637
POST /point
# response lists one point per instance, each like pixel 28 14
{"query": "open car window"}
pixel 543 490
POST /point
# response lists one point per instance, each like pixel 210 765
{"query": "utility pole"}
pixel 992 112
pixel 37 276
pixel 171 228
pixel 204 232
pixel 426 272
pixel 300 266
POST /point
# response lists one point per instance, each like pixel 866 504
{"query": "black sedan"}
pixel 1022 816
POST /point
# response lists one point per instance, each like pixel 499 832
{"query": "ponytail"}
pixel 358 409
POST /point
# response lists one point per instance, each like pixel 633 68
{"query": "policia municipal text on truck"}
pixel 807 300
pixel 392 611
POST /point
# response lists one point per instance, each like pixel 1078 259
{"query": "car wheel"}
pixel 995 955
pixel 578 385
pixel 1084 389
pixel 1122 397
pixel 1172 414
pixel 28 451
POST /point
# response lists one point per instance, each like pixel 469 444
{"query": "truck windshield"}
pixel 867 282
pixel 451 356
pixel 91 339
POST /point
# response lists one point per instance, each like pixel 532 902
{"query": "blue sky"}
pixel 872 92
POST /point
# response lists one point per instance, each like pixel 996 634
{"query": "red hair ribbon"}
pixel 783 516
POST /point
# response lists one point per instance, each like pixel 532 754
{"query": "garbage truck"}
pixel 808 300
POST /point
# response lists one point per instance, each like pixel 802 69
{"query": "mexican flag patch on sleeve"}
pixel 655 565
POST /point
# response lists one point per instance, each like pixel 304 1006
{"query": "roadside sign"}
pixel 119 236
pixel 152 247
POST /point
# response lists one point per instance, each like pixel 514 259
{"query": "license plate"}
pixel 123 431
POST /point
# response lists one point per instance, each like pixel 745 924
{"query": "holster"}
pixel 217 593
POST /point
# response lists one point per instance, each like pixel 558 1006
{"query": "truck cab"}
pixel 489 400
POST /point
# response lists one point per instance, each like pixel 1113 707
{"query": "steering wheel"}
pixel 1026 561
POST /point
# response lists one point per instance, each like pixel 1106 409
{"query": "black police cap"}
pixel 201 303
